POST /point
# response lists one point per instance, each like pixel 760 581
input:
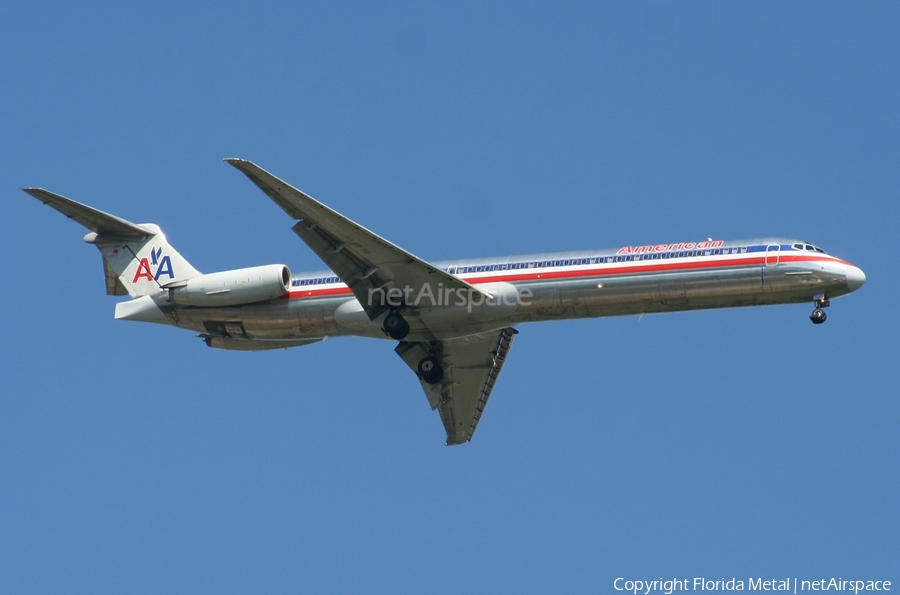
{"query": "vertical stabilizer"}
pixel 140 267
pixel 137 259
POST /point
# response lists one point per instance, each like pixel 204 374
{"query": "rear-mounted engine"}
pixel 232 288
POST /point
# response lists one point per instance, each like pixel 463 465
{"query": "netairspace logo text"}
pixel 786 585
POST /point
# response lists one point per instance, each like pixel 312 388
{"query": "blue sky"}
pixel 736 443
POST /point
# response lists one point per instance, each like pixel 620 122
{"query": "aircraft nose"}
pixel 855 277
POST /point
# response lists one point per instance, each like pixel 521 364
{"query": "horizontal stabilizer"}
pixel 137 259
pixel 97 221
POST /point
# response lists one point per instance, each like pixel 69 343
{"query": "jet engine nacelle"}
pixel 232 288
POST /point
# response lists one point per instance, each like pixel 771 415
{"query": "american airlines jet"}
pixel 452 320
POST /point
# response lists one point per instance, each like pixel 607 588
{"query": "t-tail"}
pixel 137 259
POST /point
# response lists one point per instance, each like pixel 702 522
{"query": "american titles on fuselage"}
pixel 671 247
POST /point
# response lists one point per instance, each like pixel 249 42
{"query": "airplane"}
pixel 453 321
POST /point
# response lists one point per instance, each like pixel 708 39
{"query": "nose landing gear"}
pixel 818 316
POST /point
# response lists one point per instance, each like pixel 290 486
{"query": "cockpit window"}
pixel 808 248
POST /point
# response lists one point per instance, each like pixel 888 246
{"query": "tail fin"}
pixel 140 267
pixel 137 259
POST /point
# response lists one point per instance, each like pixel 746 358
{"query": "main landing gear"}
pixel 395 326
pixel 818 316
pixel 430 370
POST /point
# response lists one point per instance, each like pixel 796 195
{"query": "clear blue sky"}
pixel 736 443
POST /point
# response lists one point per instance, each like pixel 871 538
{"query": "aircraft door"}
pixel 773 254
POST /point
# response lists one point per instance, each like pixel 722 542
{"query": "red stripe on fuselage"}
pixel 608 269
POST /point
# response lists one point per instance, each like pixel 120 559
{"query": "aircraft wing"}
pixel 471 367
pixel 363 260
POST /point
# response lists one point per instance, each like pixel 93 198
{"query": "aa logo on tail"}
pixel 153 268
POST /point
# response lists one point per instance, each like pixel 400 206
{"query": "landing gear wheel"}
pixel 818 316
pixel 395 326
pixel 430 370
